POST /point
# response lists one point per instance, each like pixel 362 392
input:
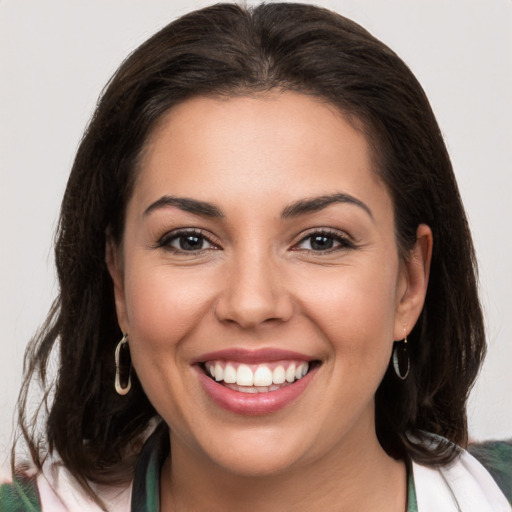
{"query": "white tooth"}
pixel 219 372
pixel 247 389
pixel 290 373
pixel 262 389
pixel 274 387
pixel 244 376
pixel 229 374
pixel 211 369
pixel 263 376
pixel 278 375
pixel 305 368
pixel 298 371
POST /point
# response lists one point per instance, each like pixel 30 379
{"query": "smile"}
pixel 257 378
pixel 255 383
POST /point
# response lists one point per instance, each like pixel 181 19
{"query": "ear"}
pixel 413 282
pixel 114 261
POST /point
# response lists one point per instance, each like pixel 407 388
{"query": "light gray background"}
pixel 56 55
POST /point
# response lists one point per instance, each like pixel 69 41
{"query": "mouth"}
pixel 257 378
pixel 255 383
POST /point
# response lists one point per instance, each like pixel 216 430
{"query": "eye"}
pixel 324 241
pixel 186 241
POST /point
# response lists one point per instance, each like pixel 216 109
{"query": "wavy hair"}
pixel 227 50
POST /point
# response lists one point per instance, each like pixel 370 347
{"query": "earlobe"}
pixel 416 269
pixel 113 259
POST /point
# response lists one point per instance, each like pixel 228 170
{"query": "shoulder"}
pixel 465 484
pixel 496 457
pixel 56 490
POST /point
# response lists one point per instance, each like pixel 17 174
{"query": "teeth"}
pixel 262 377
pixel 247 389
pixel 254 389
pixel 290 373
pixel 244 376
pixel 301 370
pixel 230 374
pixel 219 372
pixel 278 375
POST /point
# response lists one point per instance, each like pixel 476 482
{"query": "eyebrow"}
pixel 315 204
pixel 186 204
pixel 301 207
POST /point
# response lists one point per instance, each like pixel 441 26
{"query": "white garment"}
pixel 464 486
pixel 60 492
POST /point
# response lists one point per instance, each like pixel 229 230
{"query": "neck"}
pixel 352 476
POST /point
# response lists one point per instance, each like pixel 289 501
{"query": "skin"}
pixel 259 283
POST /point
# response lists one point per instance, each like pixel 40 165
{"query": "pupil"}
pixel 321 243
pixel 191 243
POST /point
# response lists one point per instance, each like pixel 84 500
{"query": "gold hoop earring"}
pixel 401 363
pixel 123 388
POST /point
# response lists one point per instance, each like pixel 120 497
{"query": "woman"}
pixel 265 267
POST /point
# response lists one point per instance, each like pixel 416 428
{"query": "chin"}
pixel 258 464
pixel 257 452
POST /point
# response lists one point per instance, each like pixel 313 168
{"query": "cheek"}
pixel 164 309
pixel 355 309
pixel 164 306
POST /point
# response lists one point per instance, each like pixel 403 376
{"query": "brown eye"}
pixel 324 242
pixel 189 242
pixel 186 241
pixel 321 242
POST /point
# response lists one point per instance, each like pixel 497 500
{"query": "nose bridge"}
pixel 254 291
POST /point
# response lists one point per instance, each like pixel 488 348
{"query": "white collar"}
pixel 464 486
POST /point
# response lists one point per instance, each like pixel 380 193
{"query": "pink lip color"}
pixel 252 356
pixel 253 404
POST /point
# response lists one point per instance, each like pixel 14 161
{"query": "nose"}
pixel 255 292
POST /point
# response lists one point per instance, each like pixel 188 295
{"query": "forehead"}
pixel 281 145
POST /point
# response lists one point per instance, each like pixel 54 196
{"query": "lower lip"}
pixel 253 404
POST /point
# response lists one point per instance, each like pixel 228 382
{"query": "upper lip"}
pixel 247 356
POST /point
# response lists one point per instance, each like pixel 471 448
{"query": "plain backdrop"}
pixel 56 55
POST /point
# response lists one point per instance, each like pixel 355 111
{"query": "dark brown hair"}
pixel 230 50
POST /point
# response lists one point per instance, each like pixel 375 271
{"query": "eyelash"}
pixel 343 241
pixel 167 239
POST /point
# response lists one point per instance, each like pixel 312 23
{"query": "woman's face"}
pixel 259 243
